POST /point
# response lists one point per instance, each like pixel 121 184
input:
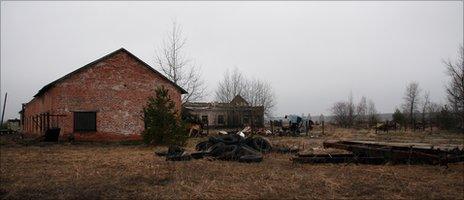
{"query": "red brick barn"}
pixel 101 101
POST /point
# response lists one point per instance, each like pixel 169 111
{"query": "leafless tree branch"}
pixel 411 101
pixel 455 88
pixel 172 62
pixel 256 92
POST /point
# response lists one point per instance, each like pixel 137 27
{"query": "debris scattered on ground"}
pixel 175 153
pixel 285 150
pixel 336 158
pixel 246 130
pixel 232 147
pixel 379 153
pixel 235 147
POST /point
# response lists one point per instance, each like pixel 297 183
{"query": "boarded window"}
pixel 220 119
pixel 85 121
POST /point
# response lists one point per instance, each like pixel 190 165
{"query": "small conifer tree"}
pixel 162 123
pixel 399 118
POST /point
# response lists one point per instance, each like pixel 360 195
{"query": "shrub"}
pixel 162 123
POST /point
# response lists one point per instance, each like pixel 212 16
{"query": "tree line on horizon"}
pixel 417 110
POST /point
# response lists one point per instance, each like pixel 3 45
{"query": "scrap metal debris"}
pixel 231 147
pixel 379 153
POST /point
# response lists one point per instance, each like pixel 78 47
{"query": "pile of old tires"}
pixel 231 147
pixel 235 147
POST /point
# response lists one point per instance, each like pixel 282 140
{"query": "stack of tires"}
pixel 233 147
pixel 223 147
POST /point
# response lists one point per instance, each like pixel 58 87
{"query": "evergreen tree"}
pixel 399 118
pixel 162 123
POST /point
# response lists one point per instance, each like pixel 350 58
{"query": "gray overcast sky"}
pixel 313 53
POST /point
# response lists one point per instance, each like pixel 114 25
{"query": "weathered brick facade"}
pixel 116 87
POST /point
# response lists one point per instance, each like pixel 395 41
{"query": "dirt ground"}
pixel 109 171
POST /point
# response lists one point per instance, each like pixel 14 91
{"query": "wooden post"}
pixel 321 118
pixel 39 119
pixel 252 122
pixel 37 125
pixel 3 111
pixel 42 122
pixel 308 119
pixel 388 125
pixel 33 124
pixel 323 127
pixel 431 126
pixel 47 120
pixel 272 127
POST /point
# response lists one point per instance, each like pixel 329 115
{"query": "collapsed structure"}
pixel 102 100
pixel 236 113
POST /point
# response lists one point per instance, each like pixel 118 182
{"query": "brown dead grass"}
pixel 92 171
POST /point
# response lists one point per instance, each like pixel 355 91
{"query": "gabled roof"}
pixel 238 100
pixel 50 85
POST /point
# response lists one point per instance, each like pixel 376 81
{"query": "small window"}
pixel 85 121
pixel 220 119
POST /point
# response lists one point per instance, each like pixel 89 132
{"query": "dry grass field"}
pixel 109 171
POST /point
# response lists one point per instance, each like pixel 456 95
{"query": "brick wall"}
pixel 117 88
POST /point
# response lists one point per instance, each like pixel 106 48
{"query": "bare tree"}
pixel 340 112
pixel 455 88
pixel 361 111
pixel 345 112
pixel 411 101
pixel 434 111
pixel 351 109
pixel 425 108
pixel 171 60
pixel 256 92
pixel 372 114
pixel 231 85
pixel 260 93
